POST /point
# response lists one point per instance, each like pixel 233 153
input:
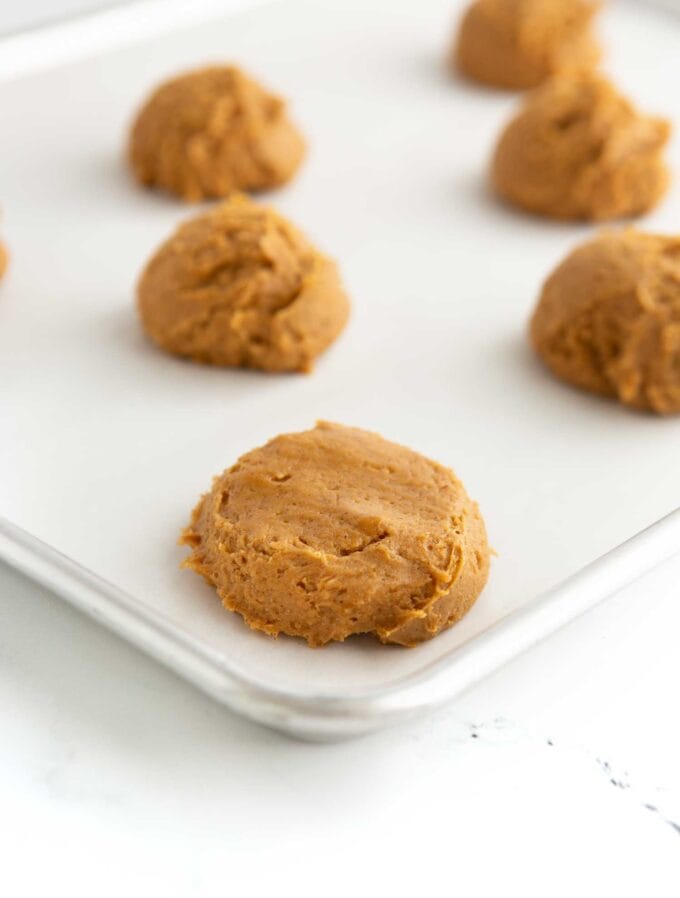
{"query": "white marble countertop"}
pixel 115 775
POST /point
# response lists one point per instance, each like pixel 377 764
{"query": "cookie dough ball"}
pixel 579 150
pixel 4 259
pixel 212 131
pixel 336 531
pixel 517 44
pixel 240 286
pixel 608 319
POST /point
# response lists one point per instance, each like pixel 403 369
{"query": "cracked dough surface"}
pixel 336 531
pixel 517 44
pixel 608 319
pixel 240 286
pixel 209 132
pixel 580 150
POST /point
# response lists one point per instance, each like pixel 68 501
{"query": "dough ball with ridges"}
pixel 608 319
pixel 240 286
pixel 212 131
pixel 336 531
pixel 578 149
pixel 517 44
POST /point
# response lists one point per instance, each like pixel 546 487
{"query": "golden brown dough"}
pixel 239 285
pixel 336 531
pixel 4 259
pixel 212 131
pixel 579 150
pixel 608 319
pixel 519 43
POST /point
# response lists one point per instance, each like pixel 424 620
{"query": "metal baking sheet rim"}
pixel 323 717
pixel 329 717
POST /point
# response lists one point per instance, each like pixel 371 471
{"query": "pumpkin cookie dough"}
pixel 240 286
pixel 212 131
pixel 608 319
pixel 579 150
pixel 4 259
pixel 336 531
pixel 517 44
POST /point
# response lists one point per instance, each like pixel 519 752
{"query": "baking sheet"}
pixel 105 443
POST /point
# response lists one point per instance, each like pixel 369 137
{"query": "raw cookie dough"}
pixel 239 285
pixel 212 131
pixel 4 259
pixel 608 319
pixel 519 43
pixel 579 150
pixel 336 531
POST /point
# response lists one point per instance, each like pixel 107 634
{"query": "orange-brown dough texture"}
pixel 240 286
pixel 212 131
pixel 608 319
pixel 518 44
pixel 579 150
pixel 336 531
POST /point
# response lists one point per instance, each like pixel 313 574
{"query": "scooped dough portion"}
pixel 240 286
pixel 608 319
pixel 336 531
pixel 4 259
pixel 517 44
pixel 579 150
pixel 212 131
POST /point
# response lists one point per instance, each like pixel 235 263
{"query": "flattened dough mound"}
pixel 240 286
pixel 336 531
pixel 4 259
pixel 517 44
pixel 608 319
pixel 212 131
pixel 579 150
